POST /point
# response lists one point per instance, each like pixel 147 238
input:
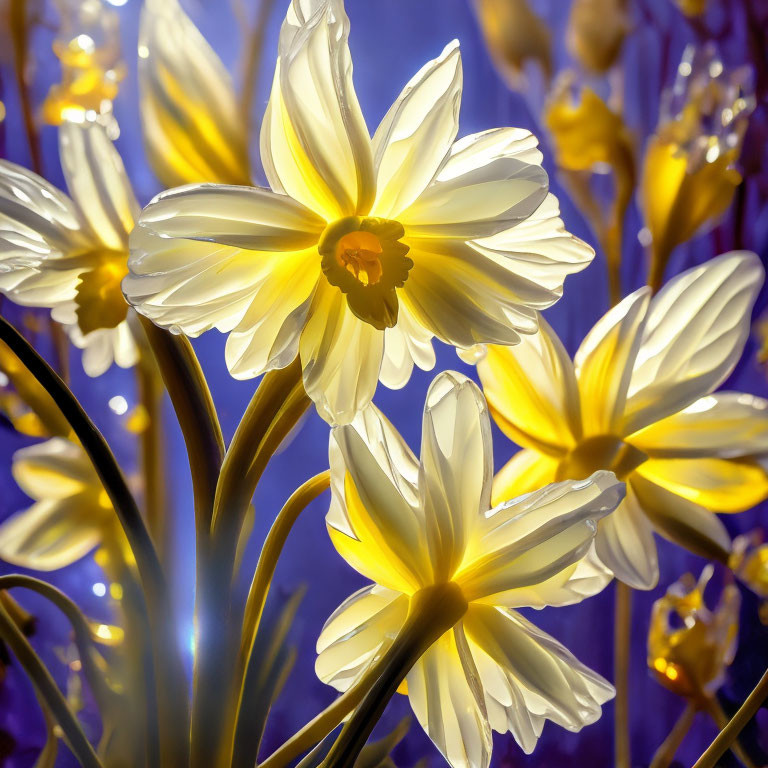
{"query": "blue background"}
pixel 390 40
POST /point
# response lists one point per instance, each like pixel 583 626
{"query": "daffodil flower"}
pixel 362 249
pixel 71 511
pixel 638 399
pixel 409 525
pixel 69 254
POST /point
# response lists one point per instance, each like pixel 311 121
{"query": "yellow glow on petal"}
pixel 116 591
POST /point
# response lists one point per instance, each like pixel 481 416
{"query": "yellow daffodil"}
pixel 363 249
pixel 70 253
pixel 515 35
pixel 71 510
pixel 596 32
pixel 637 399
pixel 749 562
pixel 408 525
pixel 88 46
pixel 193 130
pixel 690 655
pixel 689 175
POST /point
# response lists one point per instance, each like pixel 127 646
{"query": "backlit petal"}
pixel 417 132
pixel 104 346
pixel 724 424
pixel 526 471
pixel 695 333
pixel 315 145
pixel 340 356
pixel 530 539
pixel 625 544
pixel 520 664
pixel 489 182
pixel 193 128
pixel 406 344
pixel 604 363
pixel 720 485
pixel 55 469
pixel 532 392
pixel 98 183
pixel 456 468
pixel 447 698
pixel 357 633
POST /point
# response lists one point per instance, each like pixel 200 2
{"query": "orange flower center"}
pixel 360 254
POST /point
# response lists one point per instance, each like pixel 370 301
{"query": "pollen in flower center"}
pixel 600 452
pixel 360 254
pixel 365 259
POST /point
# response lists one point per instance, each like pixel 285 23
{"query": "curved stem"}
pixel 665 754
pixel 262 578
pixel 171 685
pixel 622 638
pixel 49 691
pixel 432 612
pixel 717 714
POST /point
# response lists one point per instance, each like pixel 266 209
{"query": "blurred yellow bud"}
pixel 692 7
pixel 515 35
pixel 749 562
pixel 689 645
pixel 688 176
pixel 596 32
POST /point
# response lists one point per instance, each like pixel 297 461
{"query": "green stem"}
pixel 49 691
pixel 717 714
pixel 171 684
pixel 622 638
pixel 665 754
pixel 432 612
pixel 265 569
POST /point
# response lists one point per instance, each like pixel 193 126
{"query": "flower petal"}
pixel 526 471
pixel 625 544
pixel 375 502
pixel 55 469
pixel 417 132
pixel 528 540
pixel 103 347
pixel 193 129
pixel 405 344
pixel 98 183
pixel 518 663
pixel 447 699
pixel 539 248
pixel 532 392
pixel 38 223
pixel 604 363
pixel 358 632
pixel 720 485
pixel 315 145
pixel 490 181
pixel 687 524
pixel 724 424
pixel 340 356
pixel 695 333
pixel 464 297
pixel 50 534
pixel 456 468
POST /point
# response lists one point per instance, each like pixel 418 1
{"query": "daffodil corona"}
pixel 70 254
pixel 638 399
pixel 411 525
pixel 363 249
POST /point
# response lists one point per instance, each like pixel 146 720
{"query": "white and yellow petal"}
pixel 446 695
pixel 315 144
pixel 532 392
pixel 55 469
pixel 529 540
pixel 456 468
pixel 374 520
pixel 604 364
pixel 417 133
pixel 405 345
pixel 98 183
pixel 193 128
pixel 357 633
pixel 521 665
pixel 489 182
pixel 724 424
pixel 525 472
pixel 696 329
